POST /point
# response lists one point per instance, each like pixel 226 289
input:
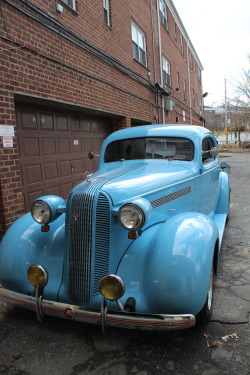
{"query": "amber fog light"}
pixel 37 276
pixel 111 287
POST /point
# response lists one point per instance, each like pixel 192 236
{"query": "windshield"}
pixel 150 148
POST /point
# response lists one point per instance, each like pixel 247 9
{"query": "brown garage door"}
pixel 54 149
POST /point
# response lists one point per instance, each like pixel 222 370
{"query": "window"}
pixel 184 89
pixel 106 12
pixel 191 61
pixel 150 148
pixel 166 72
pixel 139 45
pixel 163 13
pixel 178 80
pixel 207 145
pixel 182 47
pixel 175 30
pixel 183 116
pixel 199 74
pixel 70 3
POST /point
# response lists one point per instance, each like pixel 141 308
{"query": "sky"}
pixel 220 33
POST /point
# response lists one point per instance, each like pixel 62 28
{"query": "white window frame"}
pixel 183 116
pixel 163 13
pixel 70 3
pixel 106 12
pixel 166 68
pixel 138 44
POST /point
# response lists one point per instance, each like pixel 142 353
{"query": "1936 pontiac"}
pixel 136 244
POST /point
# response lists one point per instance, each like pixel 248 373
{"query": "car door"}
pixel 209 177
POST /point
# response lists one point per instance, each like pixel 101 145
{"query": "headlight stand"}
pixel 39 297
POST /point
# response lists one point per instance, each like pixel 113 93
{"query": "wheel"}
pixel 205 314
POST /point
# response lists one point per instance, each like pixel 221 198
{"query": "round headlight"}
pixel 131 217
pixel 41 212
pixel 111 287
pixel 37 276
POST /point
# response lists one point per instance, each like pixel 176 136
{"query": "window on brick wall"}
pixel 106 12
pixel 184 89
pixel 178 80
pixel 163 13
pixel 166 72
pixel 139 44
pixel 182 46
pixel 199 74
pixel 175 30
pixel 70 3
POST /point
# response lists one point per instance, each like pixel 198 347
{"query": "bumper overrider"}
pixel 121 319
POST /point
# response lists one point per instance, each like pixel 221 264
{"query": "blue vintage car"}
pixel 136 244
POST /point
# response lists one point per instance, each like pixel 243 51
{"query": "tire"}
pixel 205 314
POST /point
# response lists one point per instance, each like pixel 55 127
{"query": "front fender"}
pixel 23 245
pixel 167 269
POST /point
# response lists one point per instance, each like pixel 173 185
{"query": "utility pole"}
pixel 226 128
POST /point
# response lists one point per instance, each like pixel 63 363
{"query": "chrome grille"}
pixel 88 236
pixel 102 236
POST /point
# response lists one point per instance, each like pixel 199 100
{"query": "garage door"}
pixel 54 147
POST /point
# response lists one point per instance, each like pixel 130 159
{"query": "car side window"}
pixel 207 145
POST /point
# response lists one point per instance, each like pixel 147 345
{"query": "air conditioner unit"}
pixel 169 105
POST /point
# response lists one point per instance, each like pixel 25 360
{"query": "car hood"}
pixel 146 179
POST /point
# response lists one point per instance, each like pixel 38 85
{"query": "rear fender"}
pixel 223 205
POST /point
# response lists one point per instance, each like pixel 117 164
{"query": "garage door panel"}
pixel 50 170
pixel 86 125
pixel 46 122
pixel 65 168
pixel 78 165
pixel 63 145
pixel 65 189
pixel 75 125
pixel 97 144
pixel 33 173
pixel 29 146
pixel 76 145
pixel 29 120
pixel 53 190
pixel 62 123
pixel 48 146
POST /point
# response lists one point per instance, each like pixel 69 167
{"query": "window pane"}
pixel 135 51
pixel 134 34
pixel 150 148
pixel 142 56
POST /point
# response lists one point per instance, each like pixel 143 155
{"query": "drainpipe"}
pixel 189 85
pixel 161 76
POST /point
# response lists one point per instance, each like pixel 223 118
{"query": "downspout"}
pixel 189 85
pixel 153 48
pixel 160 55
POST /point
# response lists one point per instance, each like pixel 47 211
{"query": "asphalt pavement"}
pixel 59 347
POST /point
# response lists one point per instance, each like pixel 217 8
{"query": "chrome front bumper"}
pixel 160 322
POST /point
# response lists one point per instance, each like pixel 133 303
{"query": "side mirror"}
pixel 214 151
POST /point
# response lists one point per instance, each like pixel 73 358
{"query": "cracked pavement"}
pixel 59 347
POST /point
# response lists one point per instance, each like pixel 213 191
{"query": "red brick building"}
pixel 73 71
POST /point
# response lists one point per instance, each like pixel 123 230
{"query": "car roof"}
pixel 160 130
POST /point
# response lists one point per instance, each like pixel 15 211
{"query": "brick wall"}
pixel 75 58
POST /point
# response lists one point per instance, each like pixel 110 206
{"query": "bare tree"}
pixel 243 87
